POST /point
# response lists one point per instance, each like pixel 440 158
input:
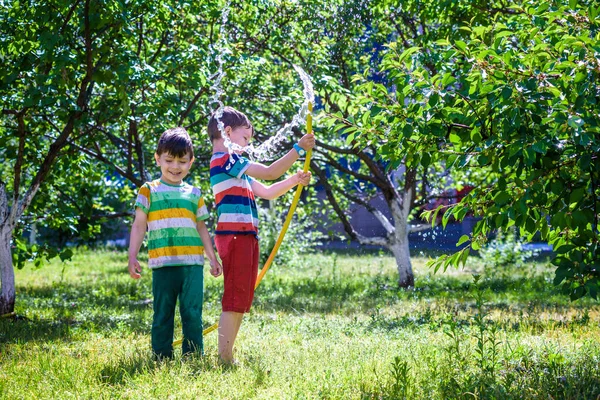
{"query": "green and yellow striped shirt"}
pixel 173 211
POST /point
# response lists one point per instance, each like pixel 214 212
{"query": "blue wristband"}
pixel 301 152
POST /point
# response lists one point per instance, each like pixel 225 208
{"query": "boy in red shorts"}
pixel 231 178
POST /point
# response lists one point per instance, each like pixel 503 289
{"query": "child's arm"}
pixel 279 167
pixel 215 267
pixel 279 188
pixel 138 231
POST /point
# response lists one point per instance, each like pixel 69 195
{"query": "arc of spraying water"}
pixel 265 150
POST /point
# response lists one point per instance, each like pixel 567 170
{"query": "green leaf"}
pixel 446 217
pixel 425 159
pixel 406 53
pixel 66 255
pixel 575 122
pixel 454 138
pixel 465 255
pixel 448 79
pixel 502 198
pixel 480 30
pixel 577 195
pixel 503 34
pixel 564 249
pixel 349 139
pixel 585 161
pixel 434 99
pixel 461 45
pixel 579 77
pixel 434 217
pixel 463 239
pixel 21 245
pixel 506 92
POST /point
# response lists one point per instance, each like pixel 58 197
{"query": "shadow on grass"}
pixel 125 368
pixel 63 327
pixel 22 330
pixel 126 304
pixel 543 376
pixel 322 295
pixel 55 311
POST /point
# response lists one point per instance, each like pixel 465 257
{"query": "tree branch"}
pixel 130 131
pixel 495 11
pixel 331 161
pixel 20 157
pixel 192 104
pixel 4 205
pixel 98 156
pixel 163 40
pixel 418 228
pixel 389 228
pixel 84 93
pixel 410 185
pixel 141 38
pixel 68 17
pixel 111 216
pixel 377 241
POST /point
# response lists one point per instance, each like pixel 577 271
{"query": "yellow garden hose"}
pixel 286 224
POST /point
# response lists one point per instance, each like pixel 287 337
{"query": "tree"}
pixel 511 105
pixel 21 93
pixel 89 85
pixel 334 42
pixel 86 89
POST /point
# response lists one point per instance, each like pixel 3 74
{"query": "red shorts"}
pixel 239 254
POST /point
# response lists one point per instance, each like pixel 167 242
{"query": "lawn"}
pixel 335 326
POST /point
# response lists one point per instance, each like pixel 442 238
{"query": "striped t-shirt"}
pixel 234 199
pixel 173 210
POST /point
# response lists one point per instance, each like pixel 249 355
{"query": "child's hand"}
pixel 303 178
pixel 215 268
pixel 135 268
pixel 307 142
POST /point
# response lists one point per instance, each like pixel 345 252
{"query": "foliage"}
pixel 36 254
pixel 506 249
pixel 90 85
pixel 301 237
pixel 509 105
pixel 502 96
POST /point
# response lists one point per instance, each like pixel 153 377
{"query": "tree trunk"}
pixel 401 252
pixel 7 273
pixel 400 208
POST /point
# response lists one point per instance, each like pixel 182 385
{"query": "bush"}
pixel 506 249
pixel 300 237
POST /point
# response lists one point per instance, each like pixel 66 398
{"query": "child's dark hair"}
pixel 231 117
pixel 176 142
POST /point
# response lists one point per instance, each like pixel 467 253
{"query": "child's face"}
pixel 240 135
pixel 173 169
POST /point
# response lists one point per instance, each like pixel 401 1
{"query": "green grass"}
pixel 335 327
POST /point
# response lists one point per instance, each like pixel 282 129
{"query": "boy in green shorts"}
pixel 173 212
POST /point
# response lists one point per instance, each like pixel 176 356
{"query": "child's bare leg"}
pixel 229 325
